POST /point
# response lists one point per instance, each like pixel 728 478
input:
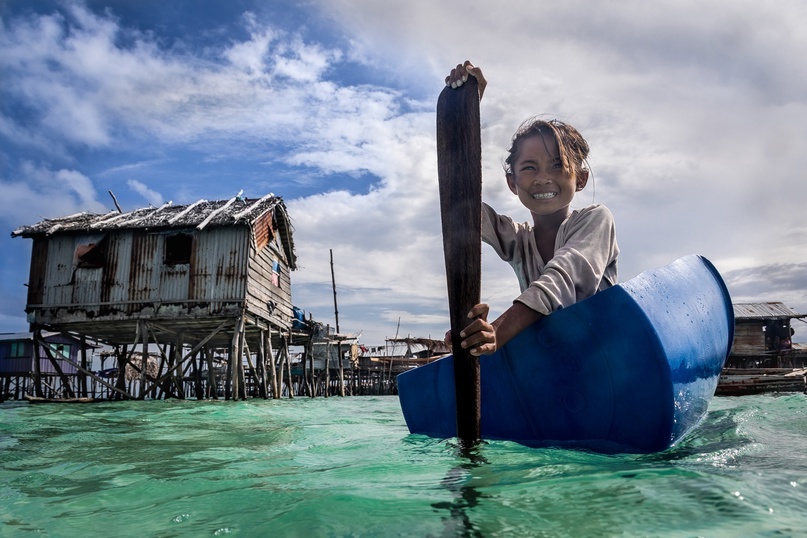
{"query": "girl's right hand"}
pixel 459 75
pixel 479 336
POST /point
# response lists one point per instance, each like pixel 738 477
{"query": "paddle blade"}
pixel 459 170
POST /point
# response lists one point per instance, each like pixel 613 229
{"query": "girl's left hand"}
pixel 460 74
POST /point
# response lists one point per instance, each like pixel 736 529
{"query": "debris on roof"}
pixel 200 214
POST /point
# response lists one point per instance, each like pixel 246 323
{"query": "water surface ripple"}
pixel 348 467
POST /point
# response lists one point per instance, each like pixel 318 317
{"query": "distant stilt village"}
pixel 194 301
pixel 182 301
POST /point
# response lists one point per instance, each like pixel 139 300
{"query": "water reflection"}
pixel 465 496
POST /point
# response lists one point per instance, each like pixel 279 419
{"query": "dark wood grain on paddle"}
pixel 459 169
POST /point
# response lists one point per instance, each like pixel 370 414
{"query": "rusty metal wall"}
pixel 218 269
pixel 115 284
pixel 134 276
pixel 58 288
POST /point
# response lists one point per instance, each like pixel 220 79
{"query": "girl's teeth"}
pixel 544 195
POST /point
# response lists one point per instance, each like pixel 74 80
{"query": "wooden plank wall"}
pixel 265 249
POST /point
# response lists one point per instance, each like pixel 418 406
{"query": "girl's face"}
pixel 538 177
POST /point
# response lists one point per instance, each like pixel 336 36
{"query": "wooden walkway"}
pixel 743 381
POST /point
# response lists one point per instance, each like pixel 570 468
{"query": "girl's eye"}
pixel 556 166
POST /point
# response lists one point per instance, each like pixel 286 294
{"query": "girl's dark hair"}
pixel 573 147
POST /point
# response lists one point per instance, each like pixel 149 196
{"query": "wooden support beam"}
pixel 144 357
pixel 285 343
pixel 37 369
pixel 272 362
pixel 66 388
pixel 212 387
pixel 195 348
pixel 98 379
pixel 261 358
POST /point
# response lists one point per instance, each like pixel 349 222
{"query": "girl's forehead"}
pixel 538 145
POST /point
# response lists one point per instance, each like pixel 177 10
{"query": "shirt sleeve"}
pixel 500 232
pixel 587 251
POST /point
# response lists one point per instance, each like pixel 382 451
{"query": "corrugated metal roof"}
pixel 26 336
pixel 201 214
pixel 772 310
pixel 236 210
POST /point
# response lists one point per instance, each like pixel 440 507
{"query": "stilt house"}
pixel 212 273
pixel 762 334
pixel 20 360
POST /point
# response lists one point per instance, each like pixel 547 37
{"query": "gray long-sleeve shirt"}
pixel 584 262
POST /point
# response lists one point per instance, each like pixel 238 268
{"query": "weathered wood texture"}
pixel 459 154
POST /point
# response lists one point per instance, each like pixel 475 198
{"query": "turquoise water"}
pixel 348 467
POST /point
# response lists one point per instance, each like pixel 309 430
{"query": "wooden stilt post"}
pixel 170 361
pixel 120 360
pixel 179 377
pixel 144 356
pixel 271 364
pixel 311 357
pixel 197 375
pixel 242 383
pixel 82 378
pixel 252 368
pixel 339 343
pixel 212 386
pixel 280 358
pixel 232 363
pixel 328 347
pixel 288 365
pixel 261 358
pixel 308 361
pixel 37 366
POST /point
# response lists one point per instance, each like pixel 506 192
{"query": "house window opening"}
pixel 60 351
pixel 91 255
pixel 17 350
pixel 178 249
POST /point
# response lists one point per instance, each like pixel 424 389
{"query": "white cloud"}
pixel 43 193
pixel 151 196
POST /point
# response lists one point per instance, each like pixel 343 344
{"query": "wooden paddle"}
pixel 459 171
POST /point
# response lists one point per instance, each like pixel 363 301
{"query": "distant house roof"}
pixel 4 337
pixel 201 214
pixel 775 310
pixel 9 337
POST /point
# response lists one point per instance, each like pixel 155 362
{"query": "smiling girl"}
pixel 565 255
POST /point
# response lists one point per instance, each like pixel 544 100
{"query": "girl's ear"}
pixel 582 179
pixel 511 182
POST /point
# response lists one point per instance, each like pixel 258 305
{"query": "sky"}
pixel 694 111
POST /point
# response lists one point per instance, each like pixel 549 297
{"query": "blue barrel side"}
pixel 690 307
pixel 590 376
pixel 428 400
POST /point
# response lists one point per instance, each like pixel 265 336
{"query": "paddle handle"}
pixel 459 171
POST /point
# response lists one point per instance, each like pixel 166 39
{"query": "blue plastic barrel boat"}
pixel 631 369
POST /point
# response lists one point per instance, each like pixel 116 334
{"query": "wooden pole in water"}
pixel 338 342
pixel 288 363
pixel 459 170
pixel 270 357
pixel 37 365
pixel 144 358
